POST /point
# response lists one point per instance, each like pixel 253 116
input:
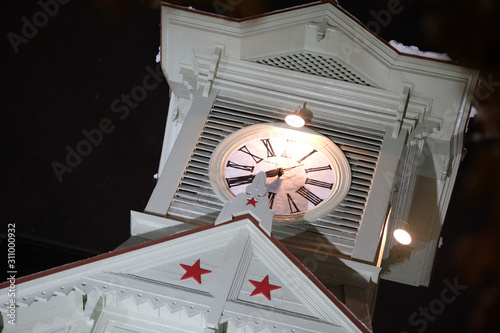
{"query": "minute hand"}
pixel 290 168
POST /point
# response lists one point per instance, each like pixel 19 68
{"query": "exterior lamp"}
pixel 401 233
pixel 299 117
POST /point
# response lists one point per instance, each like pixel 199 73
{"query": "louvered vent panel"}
pixel 315 64
pixel 196 200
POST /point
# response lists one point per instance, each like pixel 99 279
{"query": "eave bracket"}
pixel 214 65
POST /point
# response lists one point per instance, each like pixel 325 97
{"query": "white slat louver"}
pixel 195 199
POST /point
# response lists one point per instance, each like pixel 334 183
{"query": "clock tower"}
pixel 256 225
pixel 380 150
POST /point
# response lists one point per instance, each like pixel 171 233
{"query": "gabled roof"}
pixel 304 38
pixel 226 273
pixel 397 47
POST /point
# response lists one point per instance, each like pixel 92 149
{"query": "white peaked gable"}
pixel 232 277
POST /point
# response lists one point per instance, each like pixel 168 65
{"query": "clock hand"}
pixel 279 171
pixel 290 168
pixel 274 172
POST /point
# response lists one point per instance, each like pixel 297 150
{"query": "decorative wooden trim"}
pixel 228 278
pixel 370 232
pixel 348 16
pixel 375 106
pixel 164 190
pixel 189 9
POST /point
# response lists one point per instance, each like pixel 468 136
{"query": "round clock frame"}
pixel 330 151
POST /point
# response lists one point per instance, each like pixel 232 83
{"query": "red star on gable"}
pixel 194 271
pixel 251 202
pixel 263 287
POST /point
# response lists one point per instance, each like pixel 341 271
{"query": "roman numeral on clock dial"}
pixel 245 150
pixel 303 158
pixel 269 147
pixel 319 183
pixel 271 196
pixel 231 164
pixel 327 167
pixel 292 205
pixel 309 196
pixel 241 180
pixel 289 143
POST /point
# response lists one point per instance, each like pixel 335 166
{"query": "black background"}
pixel 64 79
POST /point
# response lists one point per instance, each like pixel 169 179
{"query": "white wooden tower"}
pixel 397 120
pixel 257 226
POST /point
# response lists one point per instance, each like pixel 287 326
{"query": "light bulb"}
pixel 402 236
pixel 295 120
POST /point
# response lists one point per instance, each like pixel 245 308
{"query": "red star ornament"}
pixel 263 287
pixel 251 202
pixel 194 271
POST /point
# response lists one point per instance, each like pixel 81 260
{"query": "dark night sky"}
pixel 63 80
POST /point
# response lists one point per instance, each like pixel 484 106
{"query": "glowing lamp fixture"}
pixel 295 120
pixel 401 234
pixel 299 117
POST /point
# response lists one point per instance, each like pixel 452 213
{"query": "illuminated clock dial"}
pixel 307 175
pixel 299 177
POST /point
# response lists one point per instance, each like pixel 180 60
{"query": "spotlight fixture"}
pixel 401 233
pixel 299 117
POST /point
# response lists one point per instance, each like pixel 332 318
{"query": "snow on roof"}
pixel 415 51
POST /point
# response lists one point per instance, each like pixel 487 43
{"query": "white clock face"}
pixel 307 175
pixel 299 176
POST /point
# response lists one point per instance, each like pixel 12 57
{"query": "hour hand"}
pixel 274 172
